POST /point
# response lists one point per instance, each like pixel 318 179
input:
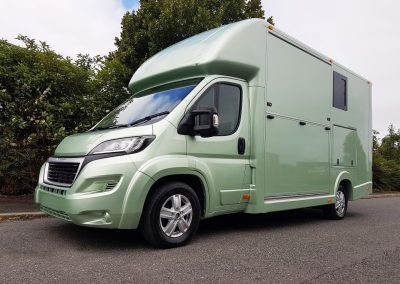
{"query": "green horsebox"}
pixel 242 118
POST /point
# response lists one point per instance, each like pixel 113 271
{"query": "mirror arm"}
pixel 186 125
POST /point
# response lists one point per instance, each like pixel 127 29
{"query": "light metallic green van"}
pixel 242 118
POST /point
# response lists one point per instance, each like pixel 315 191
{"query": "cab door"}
pixel 224 158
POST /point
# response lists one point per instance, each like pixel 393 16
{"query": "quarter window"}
pixel 339 91
pixel 227 100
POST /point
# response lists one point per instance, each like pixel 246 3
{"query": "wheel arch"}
pixel 344 179
pixel 192 179
pixel 153 172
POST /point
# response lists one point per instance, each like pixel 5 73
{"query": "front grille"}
pixel 62 173
pixel 57 191
pixel 55 213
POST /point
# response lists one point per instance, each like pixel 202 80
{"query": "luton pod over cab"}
pixel 241 118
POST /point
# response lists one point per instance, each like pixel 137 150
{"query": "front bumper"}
pixel 96 197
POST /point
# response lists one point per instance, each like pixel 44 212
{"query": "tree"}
pixel 386 161
pixel 158 24
pixel 390 146
pixel 44 97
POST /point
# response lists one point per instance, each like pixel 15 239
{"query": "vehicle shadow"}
pixel 254 222
pixel 85 238
pixel 111 239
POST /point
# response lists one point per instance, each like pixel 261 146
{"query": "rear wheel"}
pixel 337 210
pixel 171 216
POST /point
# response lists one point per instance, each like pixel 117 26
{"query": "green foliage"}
pixel 112 83
pixel 386 161
pixel 390 146
pixel 43 98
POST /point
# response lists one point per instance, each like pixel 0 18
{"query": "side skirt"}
pixel 280 203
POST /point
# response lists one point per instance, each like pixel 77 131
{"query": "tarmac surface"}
pixel 297 246
pixel 16 204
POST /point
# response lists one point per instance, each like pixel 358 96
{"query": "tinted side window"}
pixel 209 98
pixel 227 100
pixel 339 91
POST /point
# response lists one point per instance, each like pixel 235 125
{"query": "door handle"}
pixel 241 146
pixel 302 123
pixel 270 116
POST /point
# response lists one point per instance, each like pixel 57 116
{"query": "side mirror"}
pixel 203 122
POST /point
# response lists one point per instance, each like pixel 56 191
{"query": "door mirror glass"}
pixel 206 121
pixel 203 121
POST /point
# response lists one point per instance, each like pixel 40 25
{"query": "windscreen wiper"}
pixel 111 127
pixel 147 118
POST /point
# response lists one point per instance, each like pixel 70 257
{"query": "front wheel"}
pixel 337 210
pixel 171 216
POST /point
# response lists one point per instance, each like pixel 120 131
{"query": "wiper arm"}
pixel 147 118
pixel 111 127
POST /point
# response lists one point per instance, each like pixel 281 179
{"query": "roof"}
pixel 232 50
pixel 236 50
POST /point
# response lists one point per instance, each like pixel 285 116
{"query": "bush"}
pixel 386 161
pixel 386 174
pixel 43 98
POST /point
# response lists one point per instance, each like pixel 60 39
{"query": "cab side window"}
pixel 226 98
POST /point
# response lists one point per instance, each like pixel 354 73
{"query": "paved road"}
pixel 295 246
pixel 12 204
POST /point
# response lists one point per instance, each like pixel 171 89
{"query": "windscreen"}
pixel 151 107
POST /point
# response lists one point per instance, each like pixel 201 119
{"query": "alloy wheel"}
pixel 340 205
pixel 176 215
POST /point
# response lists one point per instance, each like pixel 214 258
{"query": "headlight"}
pixel 128 145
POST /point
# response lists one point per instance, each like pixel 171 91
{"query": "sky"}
pixel 363 35
pixel 68 26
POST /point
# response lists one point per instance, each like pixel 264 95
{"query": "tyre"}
pixel 337 210
pixel 171 215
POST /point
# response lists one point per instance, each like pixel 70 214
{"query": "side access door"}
pixel 296 158
pixel 224 158
pixel 297 126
